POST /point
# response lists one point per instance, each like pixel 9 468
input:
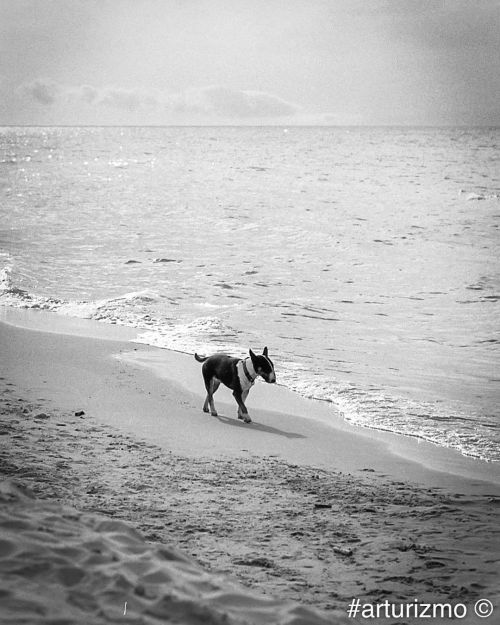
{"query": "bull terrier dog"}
pixel 237 374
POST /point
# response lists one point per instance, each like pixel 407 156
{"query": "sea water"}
pixel 366 259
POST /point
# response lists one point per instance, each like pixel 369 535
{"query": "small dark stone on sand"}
pixel 260 562
pixel 79 413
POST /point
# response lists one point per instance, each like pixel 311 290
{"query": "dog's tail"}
pixel 200 358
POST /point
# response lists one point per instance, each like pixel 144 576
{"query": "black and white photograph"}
pixel 249 323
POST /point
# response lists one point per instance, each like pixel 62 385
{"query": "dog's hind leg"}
pixel 205 405
pixel 212 385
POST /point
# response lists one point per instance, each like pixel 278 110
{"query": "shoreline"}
pixel 325 437
pixel 289 507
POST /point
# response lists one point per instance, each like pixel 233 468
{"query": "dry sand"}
pixel 145 510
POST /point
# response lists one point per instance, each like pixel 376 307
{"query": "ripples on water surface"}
pixel 367 259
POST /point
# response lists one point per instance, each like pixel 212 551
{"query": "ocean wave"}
pixel 136 310
pixel 130 309
pixel 471 197
pixel 203 334
pixel 12 295
pixel 376 410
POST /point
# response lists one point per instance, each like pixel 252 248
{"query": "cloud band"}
pixel 215 100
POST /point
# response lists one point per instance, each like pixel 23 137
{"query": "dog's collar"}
pixel 247 372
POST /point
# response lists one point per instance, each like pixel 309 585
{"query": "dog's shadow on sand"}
pixel 257 426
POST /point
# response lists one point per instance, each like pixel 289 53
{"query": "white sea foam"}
pixel 126 309
pixel 481 196
pixel 5 273
pixel 204 335
pixel 12 295
pixel 379 411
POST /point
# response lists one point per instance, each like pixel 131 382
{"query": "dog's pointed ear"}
pixel 265 352
pixel 252 355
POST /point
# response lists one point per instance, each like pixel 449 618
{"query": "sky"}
pixel 345 62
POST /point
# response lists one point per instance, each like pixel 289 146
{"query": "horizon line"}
pixel 259 125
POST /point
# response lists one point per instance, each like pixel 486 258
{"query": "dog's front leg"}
pixel 242 409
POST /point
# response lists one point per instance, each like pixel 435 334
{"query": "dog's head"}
pixel 263 366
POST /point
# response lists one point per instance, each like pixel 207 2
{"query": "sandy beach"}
pixel 123 502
